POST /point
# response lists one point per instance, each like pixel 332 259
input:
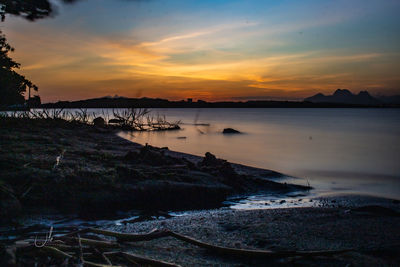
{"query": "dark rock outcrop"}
pixel 219 167
pixel 153 156
pixel 230 131
pixel 115 121
pixel 99 122
pixel 101 173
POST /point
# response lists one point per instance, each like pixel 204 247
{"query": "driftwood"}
pixel 102 255
pixel 73 247
pixel 218 249
pixel 142 260
pixel 56 252
pixel 99 244
pixel 127 237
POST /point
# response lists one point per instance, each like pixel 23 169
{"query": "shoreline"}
pixel 91 170
pixel 99 166
pixel 370 230
pixel 239 168
pixel 372 235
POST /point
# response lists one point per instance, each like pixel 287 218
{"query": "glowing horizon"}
pixel 210 50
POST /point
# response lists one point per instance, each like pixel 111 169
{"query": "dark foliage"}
pixel 12 84
pixel 28 9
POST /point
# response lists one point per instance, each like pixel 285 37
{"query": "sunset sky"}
pixel 210 49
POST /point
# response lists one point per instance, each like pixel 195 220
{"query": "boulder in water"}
pixel 115 121
pixel 230 131
pixel 99 122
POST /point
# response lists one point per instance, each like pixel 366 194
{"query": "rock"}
pixel 189 164
pixel 230 131
pixel 174 127
pixel 210 160
pixel 132 155
pixel 153 156
pixel 99 122
pixel 115 121
pixel 218 166
pixel 227 171
pixel 128 175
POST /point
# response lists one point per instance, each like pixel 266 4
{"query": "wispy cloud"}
pixel 286 50
pixel 202 32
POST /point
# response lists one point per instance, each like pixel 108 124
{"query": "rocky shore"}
pixel 76 168
pixel 53 165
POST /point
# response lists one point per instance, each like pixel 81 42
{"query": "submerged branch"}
pixel 133 119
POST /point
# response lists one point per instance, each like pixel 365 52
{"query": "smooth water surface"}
pixel 336 150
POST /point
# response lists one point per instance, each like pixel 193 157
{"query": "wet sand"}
pixel 337 224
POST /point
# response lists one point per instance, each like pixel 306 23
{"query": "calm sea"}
pixel 336 150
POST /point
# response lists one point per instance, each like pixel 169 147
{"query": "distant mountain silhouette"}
pixel 344 96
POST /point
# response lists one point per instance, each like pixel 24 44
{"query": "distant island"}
pixel 344 96
pixel 340 99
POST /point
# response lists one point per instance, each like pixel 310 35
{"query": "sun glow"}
pixel 276 53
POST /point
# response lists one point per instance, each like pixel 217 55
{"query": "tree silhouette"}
pixel 28 9
pixel 12 84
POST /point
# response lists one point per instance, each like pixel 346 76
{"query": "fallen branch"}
pixel 80 251
pixel 142 260
pixel 56 252
pixel 100 244
pixel 103 256
pixel 127 237
pixel 218 249
pixel 253 253
pixel 89 263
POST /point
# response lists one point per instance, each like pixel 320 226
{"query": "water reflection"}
pixel 352 150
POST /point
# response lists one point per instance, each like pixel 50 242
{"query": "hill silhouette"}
pixel 362 100
pixel 344 96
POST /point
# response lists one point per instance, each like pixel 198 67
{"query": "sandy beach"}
pixel 373 235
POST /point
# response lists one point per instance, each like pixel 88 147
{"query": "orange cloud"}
pixel 212 63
